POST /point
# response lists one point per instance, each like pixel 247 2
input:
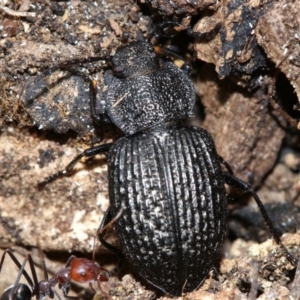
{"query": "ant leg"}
pixel 33 284
pixel 243 186
pixel 57 294
pixel 20 267
pixel 87 153
pixel 91 287
pixel 50 292
pixel 107 221
pixel 101 290
pixel 103 227
pixel 45 270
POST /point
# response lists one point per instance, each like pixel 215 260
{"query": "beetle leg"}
pixel 33 283
pixel 87 153
pixel 226 165
pixel 245 187
pixel 102 117
pixel 66 66
pixel 206 36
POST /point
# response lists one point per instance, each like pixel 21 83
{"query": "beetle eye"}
pixel 118 70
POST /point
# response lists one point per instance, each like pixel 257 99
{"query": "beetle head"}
pixel 135 59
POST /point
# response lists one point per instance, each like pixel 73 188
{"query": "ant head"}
pixel 84 270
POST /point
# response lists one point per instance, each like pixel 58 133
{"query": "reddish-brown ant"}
pixel 77 269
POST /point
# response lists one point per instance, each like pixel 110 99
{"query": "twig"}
pixel 17 13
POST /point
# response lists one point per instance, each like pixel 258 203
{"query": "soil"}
pixel 245 66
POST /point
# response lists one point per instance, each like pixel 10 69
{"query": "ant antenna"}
pixel 101 230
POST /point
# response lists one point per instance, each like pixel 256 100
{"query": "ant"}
pixel 77 269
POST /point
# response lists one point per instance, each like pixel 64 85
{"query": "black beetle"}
pixel 167 178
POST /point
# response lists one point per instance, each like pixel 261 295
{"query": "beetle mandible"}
pixel 166 178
